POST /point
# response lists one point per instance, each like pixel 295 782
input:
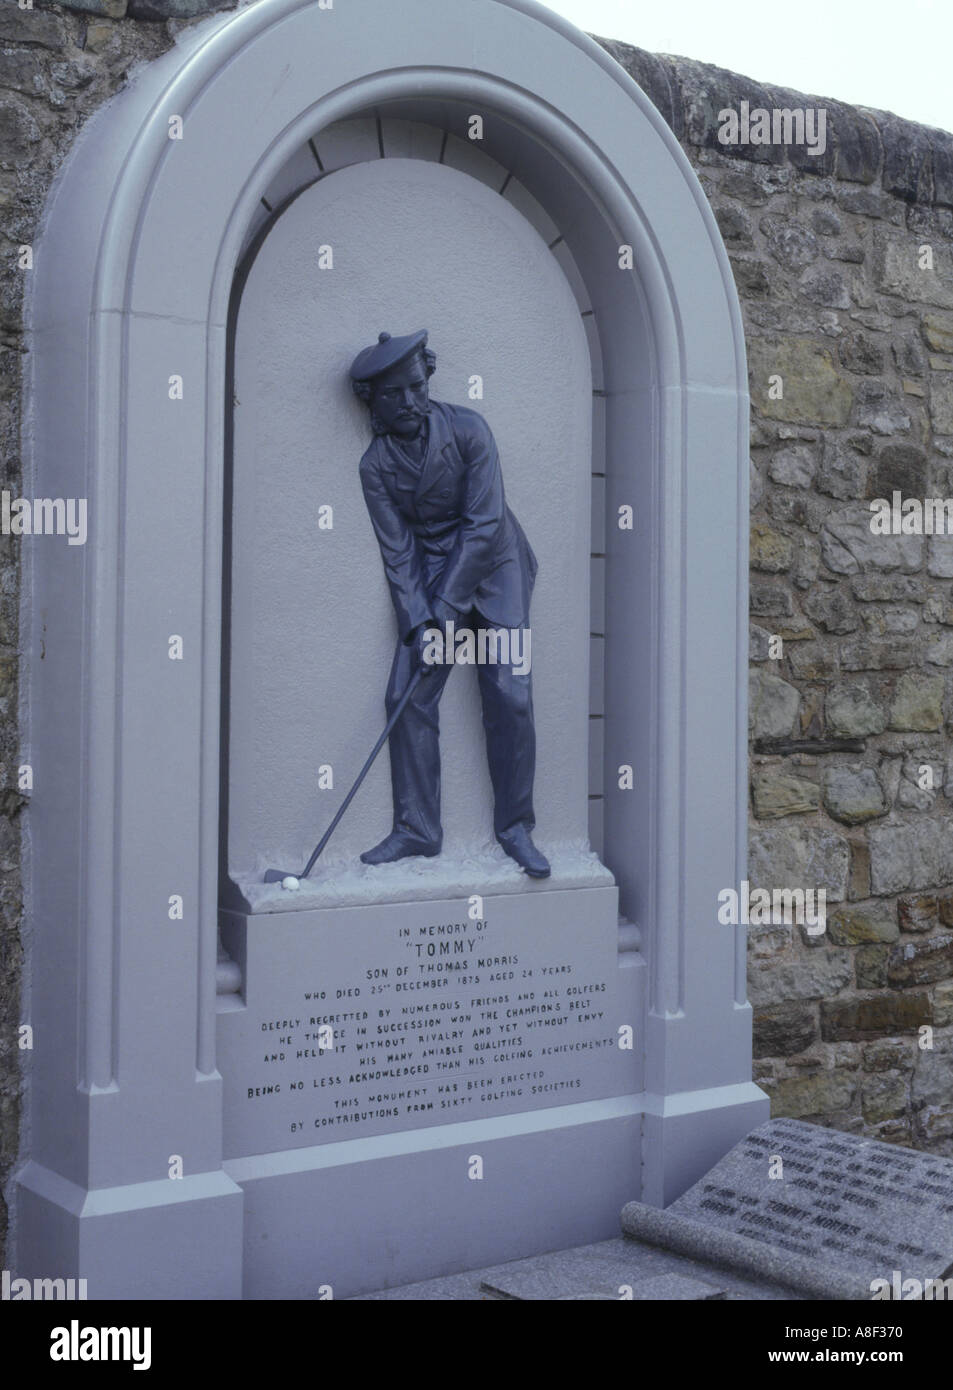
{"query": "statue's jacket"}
pixel 443 525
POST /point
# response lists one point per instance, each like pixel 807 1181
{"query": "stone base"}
pixel 344 1219
pixel 171 1239
pixel 467 1102
pixel 686 1133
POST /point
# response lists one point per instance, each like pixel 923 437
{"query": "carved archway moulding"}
pixel 134 269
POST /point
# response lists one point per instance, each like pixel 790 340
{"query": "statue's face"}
pixel 401 398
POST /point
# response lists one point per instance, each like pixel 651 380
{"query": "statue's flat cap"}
pixel 386 354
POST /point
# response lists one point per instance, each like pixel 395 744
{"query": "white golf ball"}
pixel 291 883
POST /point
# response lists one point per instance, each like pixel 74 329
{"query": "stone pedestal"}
pixel 483 1068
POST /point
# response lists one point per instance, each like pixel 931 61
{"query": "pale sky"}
pixel 895 55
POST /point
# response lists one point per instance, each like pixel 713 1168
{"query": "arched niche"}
pixel 311 632
pixel 134 272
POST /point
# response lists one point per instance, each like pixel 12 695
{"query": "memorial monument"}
pixel 246 1091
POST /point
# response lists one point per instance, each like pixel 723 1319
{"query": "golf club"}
pixel 278 875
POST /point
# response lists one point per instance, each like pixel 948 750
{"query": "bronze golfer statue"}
pixel 453 553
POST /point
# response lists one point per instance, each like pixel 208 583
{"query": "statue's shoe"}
pixel 518 844
pixel 396 846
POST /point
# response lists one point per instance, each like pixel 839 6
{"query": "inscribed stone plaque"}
pixel 839 1213
pixel 368 1020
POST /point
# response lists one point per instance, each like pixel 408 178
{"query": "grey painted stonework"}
pixel 379 1052
pixel 133 284
pixel 428 1019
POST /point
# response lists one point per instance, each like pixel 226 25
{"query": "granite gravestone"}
pixel 828 1213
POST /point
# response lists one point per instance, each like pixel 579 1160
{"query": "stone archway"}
pixel 131 288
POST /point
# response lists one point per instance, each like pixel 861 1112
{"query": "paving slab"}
pixel 616 1270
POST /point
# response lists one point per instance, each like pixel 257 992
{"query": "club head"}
pixel 276 875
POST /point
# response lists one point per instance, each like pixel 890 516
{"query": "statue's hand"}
pixel 444 613
pixel 425 648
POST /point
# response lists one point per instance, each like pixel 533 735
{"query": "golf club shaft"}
pixel 411 687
